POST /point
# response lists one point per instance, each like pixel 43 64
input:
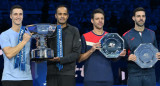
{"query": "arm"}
pixel 73 56
pixel 155 44
pixel 128 57
pixel 10 52
pixel 86 55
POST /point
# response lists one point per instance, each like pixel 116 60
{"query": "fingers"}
pixel 97 45
pixel 123 53
pixel 132 57
pixel 26 37
pixel 158 55
pixel 55 59
pixel 31 33
pixel 37 42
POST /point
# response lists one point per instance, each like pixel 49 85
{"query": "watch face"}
pixel 111 45
pixel 146 55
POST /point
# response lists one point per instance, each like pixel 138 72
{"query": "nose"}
pixel 18 16
pixel 62 15
pixel 100 20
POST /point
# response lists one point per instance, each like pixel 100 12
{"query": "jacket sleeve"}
pixel 155 41
pixel 74 55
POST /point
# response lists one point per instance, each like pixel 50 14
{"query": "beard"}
pixel 140 25
pixel 98 27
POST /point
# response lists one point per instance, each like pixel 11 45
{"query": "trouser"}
pixel 98 83
pixel 61 80
pixel 18 83
pixel 143 80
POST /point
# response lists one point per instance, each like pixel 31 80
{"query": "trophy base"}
pixel 42 54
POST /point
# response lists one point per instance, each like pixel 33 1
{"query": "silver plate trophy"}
pixel 146 55
pixel 111 45
pixel 40 32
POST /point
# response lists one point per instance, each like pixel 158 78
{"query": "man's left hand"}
pixel 55 59
pixel 123 53
pixel 158 55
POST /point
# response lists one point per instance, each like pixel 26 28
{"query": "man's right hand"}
pixel 26 37
pixel 132 57
pixel 96 46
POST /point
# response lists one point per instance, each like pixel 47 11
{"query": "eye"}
pixel 59 13
pixel 21 14
pixel 65 14
pixel 15 14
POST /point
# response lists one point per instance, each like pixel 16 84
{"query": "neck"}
pixel 16 27
pixel 98 31
pixel 63 25
pixel 138 28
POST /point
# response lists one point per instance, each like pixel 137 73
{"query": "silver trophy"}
pixel 146 55
pixel 111 45
pixel 40 32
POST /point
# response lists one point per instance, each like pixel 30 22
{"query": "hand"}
pixel 37 42
pixel 132 57
pixel 55 59
pixel 38 61
pixel 123 53
pixel 96 46
pixel 158 55
pixel 26 37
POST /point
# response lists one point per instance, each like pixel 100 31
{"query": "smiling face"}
pixel 17 16
pixel 139 18
pixel 62 15
pixel 98 21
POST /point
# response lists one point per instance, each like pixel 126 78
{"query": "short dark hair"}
pixel 62 6
pixel 138 9
pixel 14 7
pixel 98 10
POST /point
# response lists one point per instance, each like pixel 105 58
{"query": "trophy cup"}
pixel 146 55
pixel 41 31
pixel 111 45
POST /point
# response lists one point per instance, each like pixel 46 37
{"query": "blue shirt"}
pixel 9 38
pixel 97 67
pixel 132 40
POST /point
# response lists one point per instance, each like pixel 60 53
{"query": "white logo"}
pixel 111 45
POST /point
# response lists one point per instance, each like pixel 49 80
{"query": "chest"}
pixel 135 39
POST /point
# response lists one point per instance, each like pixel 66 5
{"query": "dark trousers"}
pixel 18 83
pixel 61 80
pixel 145 80
pixel 98 83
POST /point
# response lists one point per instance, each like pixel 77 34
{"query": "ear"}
pixel 68 15
pixel 55 16
pixel 10 16
pixel 133 18
pixel 92 21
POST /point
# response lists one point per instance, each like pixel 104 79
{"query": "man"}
pixel 97 68
pixel 15 43
pixel 71 50
pixel 133 38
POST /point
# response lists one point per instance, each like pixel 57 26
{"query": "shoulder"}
pixel 87 34
pixel 72 27
pixel 5 32
pixel 126 33
pixel 149 30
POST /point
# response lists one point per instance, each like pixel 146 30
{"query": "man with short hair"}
pixel 133 38
pixel 15 43
pixel 71 50
pixel 97 68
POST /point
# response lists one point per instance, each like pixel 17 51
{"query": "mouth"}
pixel 100 24
pixel 62 19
